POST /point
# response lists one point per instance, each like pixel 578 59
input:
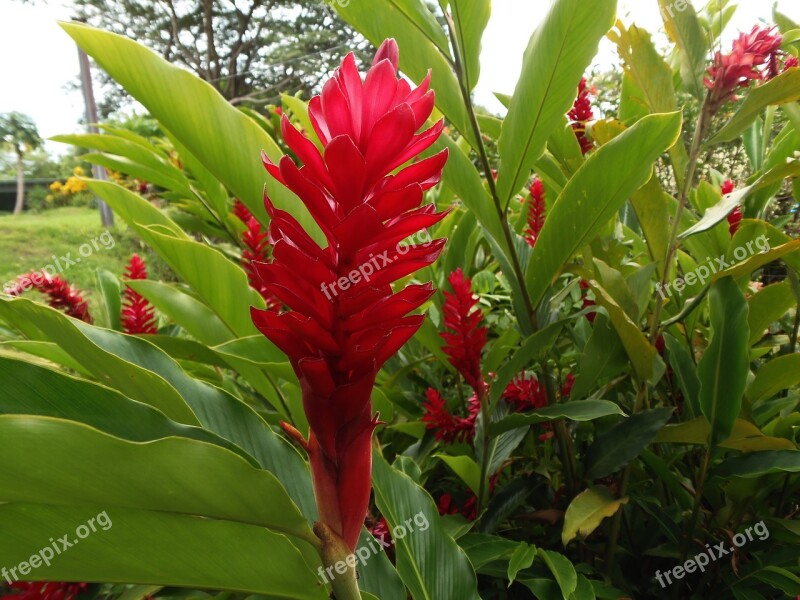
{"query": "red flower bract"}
pixel 581 114
pixel 60 294
pixel 138 315
pixel 45 591
pixel 343 319
pixel 537 211
pixel 466 338
pixel 754 56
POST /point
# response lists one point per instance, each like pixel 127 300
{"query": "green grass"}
pixel 29 242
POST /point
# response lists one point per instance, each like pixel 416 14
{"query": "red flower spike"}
pixel 728 186
pixel 448 428
pixel 791 63
pixel 466 339
pixel 138 315
pixel 754 57
pixel 525 393
pixel 581 114
pixel 536 212
pixel 587 303
pixel 735 220
pixel 45 591
pixel 241 211
pixel 343 320
pixel 60 294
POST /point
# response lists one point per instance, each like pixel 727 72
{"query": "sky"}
pixel 40 61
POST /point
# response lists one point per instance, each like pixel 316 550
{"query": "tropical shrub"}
pixel 599 399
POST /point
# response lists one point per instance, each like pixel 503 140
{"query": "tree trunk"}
pixel 20 185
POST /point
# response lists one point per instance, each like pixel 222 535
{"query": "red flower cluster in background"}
pixel 60 294
pixel 587 302
pixel 138 315
pixel 257 249
pixel 336 344
pixel 735 218
pixel 582 113
pixel 45 591
pixel 754 57
pixel 448 427
pixel 537 211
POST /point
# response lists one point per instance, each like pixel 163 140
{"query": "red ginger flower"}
pixel 791 63
pixel 448 427
pixel 754 57
pixel 138 315
pixel 735 218
pixel 257 249
pixel 344 320
pixel 465 341
pixel 525 393
pixel 45 591
pixel 60 294
pixel 581 114
pixel 536 212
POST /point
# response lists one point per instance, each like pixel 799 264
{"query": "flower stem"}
pixel 334 553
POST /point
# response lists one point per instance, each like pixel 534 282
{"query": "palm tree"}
pixel 18 132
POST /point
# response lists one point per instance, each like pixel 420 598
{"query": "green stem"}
pixel 616 524
pixel 335 553
pixel 703 123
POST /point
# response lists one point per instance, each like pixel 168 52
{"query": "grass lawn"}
pixel 30 242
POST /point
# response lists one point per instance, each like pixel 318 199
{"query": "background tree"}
pixel 19 134
pixel 249 50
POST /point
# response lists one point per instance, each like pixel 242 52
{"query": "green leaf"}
pixel 785 88
pixel 618 446
pixel 603 357
pixel 586 512
pixel 466 468
pixel 191 314
pixel 143 372
pixel 576 410
pixel 182 103
pixel 683 27
pixel 470 18
pixel 558 53
pixel 33 390
pixel 423 47
pixel 41 322
pixel 685 370
pixel 767 306
pixel 780 373
pixel 644 357
pixel 217 281
pixel 51 461
pixel 530 351
pixel 150 547
pixel 724 367
pixel 653 78
pixel 522 558
pixel 110 289
pixel 562 570
pixel 758 464
pixel 378 575
pixel 429 561
pixel 595 194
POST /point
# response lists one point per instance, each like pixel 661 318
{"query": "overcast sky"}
pixel 39 60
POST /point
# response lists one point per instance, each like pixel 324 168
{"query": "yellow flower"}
pixel 78 171
pixel 55 186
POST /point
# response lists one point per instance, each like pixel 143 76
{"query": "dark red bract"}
pixel 138 315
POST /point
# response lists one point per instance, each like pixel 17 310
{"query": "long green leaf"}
pixel 724 367
pixel 683 26
pixel 470 18
pixel 57 462
pixel 151 547
pixel 430 563
pixel 577 410
pixel 625 441
pixel 558 53
pixel 229 145
pixel 595 194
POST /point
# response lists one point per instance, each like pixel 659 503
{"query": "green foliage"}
pixel 625 425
